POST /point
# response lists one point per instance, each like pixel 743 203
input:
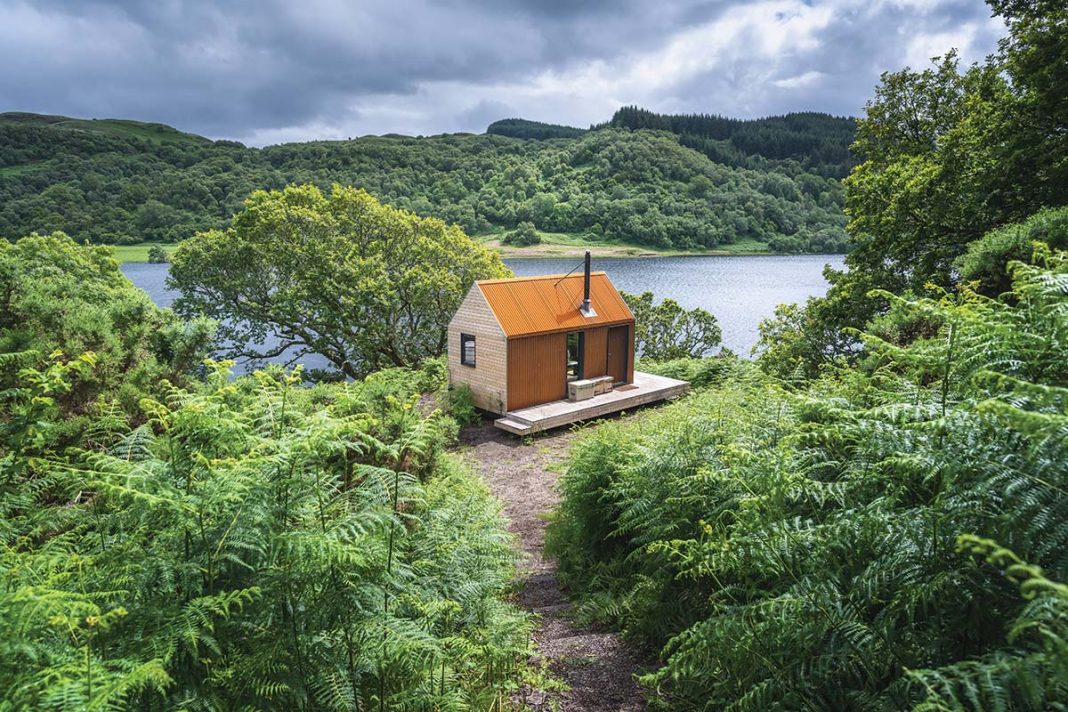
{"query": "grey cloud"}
pixel 853 50
pixel 273 67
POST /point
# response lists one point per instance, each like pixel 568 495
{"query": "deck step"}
pixel 518 418
pixel 514 426
pixel 646 388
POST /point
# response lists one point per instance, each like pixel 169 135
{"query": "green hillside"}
pixel 523 128
pixel 126 182
pixel 820 142
pixel 121 128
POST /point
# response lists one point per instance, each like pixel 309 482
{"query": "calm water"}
pixel 740 291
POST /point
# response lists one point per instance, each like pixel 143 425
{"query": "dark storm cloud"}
pixel 271 70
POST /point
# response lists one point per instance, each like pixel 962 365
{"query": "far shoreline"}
pixel 138 253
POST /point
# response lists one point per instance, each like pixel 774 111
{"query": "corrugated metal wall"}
pixel 621 353
pixel 595 362
pixel 537 370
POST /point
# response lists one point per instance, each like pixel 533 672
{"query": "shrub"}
pixel 56 295
pixel 666 331
pixel 987 259
pixel 524 235
pixel 461 406
pixel 699 372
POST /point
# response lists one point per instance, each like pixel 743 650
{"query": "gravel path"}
pixel 596 665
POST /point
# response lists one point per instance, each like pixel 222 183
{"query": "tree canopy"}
pixel 524 235
pixel 524 128
pixel 116 182
pixel 947 154
pixel 667 331
pixel 60 297
pixel 363 284
pixel 820 142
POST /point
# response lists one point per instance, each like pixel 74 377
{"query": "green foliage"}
pixel 795 343
pixel 461 405
pixel 699 372
pixel 667 331
pixel 643 187
pixel 948 154
pixel 157 255
pixel 523 128
pixel 363 284
pixel 57 296
pixel 819 142
pixel 1039 640
pixel 251 545
pixel 524 235
pixel 987 259
pixel 805 548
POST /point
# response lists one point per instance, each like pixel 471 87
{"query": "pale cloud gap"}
pixel 269 71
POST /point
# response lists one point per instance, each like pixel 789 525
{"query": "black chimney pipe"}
pixel 586 286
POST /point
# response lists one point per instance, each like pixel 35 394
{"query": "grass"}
pixel 563 244
pixel 554 244
pixel 157 133
pixel 139 252
pixel 16 170
pixel 134 129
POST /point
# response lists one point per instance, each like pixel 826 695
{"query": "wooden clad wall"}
pixel 537 370
pixel 595 360
pixel 488 378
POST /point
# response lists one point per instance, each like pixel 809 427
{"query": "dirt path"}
pixel 595 664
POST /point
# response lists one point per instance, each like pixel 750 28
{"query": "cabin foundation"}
pixel 646 388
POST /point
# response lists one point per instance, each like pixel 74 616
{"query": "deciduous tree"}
pixel 667 331
pixel 341 275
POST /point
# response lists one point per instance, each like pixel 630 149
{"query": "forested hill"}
pixel 523 128
pixel 126 182
pixel 819 141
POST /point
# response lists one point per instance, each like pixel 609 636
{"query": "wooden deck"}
pixel 647 388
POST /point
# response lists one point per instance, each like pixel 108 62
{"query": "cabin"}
pixel 549 350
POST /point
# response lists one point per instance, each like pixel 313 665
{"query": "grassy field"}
pixel 562 244
pixel 158 133
pixel 554 244
pixel 137 253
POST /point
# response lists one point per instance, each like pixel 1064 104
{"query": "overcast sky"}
pixel 266 71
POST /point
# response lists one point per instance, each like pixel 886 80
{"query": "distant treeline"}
pixel 818 141
pixel 124 182
pixel 522 128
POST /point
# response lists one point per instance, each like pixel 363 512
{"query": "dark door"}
pixel 618 341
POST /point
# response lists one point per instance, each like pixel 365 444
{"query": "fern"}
pixel 797 548
pixel 232 551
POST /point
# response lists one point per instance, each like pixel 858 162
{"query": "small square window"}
pixel 467 349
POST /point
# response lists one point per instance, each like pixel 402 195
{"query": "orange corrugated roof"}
pixel 536 305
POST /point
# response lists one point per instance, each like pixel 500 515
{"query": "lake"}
pixel 740 291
